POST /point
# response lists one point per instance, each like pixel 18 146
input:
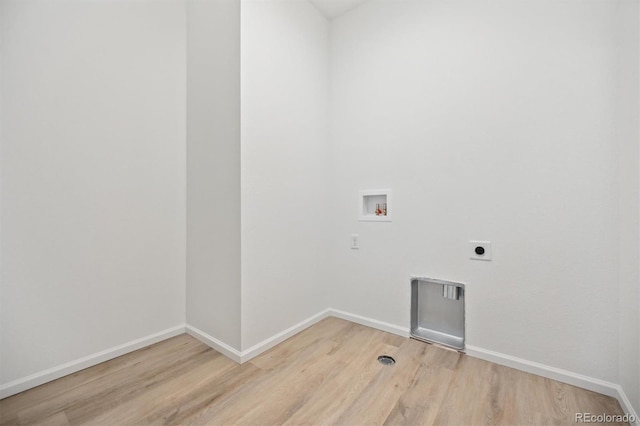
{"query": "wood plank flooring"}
pixel 328 374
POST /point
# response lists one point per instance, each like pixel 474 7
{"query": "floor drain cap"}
pixel 386 360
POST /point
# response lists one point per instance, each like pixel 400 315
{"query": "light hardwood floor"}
pixel 326 374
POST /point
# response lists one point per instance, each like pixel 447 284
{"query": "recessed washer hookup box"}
pixel 437 312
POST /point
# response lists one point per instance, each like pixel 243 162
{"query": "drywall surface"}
pixel 93 177
pixel 489 121
pixel 213 169
pixel 3 12
pixel 628 132
pixel 285 209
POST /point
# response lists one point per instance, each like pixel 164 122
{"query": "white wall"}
pixel 93 177
pixel 628 132
pixel 514 122
pixel 490 121
pixel 213 171
pixel 2 297
pixel 285 208
pixel 628 135
pixel 3 12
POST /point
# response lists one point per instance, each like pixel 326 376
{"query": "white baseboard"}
pixel 626 405
pixel 370 322
pixel 54 373
pixel 212 342
pixel 267 344
pixel 565 376
pixel 257 349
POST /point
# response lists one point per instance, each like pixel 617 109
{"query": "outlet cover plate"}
pixel 480 250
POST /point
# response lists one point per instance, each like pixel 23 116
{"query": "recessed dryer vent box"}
pixel 375 205
pixel 437 312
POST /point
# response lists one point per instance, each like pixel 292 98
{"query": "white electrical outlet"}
pixel 355 244
pixel 480 250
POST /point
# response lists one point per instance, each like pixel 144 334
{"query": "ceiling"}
pixel 334 8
